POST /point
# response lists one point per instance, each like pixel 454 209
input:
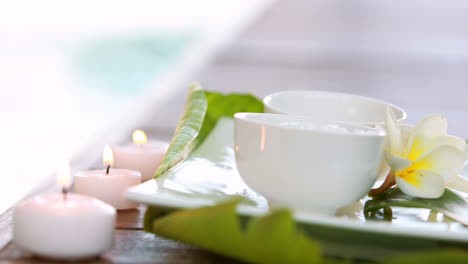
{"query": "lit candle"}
pixel 143 155
pixel 109 184
pixel 64 226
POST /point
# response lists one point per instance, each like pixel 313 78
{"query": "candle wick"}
pixel 64 192
pixel 108 168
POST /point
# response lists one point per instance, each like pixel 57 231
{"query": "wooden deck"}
pixel 361 47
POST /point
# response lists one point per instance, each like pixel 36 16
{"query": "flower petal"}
pixel 458 183
pixel 447 161
pixel 421 183
pixel 431 126
pixel 407 135
pixel 394 139
pixel 423 144
pixel 456 142
pixel 397 163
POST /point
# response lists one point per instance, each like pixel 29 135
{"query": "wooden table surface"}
pixel 411 54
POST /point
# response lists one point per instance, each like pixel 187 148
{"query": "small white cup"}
pixel 305 164
pixel 332 106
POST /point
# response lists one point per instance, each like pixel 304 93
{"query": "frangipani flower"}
pixel 423 159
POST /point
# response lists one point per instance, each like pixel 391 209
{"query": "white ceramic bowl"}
pixel 304 164
pixel 331 106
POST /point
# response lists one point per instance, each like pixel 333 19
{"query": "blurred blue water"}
pixel 125 65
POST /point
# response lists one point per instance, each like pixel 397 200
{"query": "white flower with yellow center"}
pixel 423 158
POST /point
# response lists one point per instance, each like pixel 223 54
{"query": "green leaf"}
pixel 268 239
pixel 450 204
pixel 220 105
pixel 273 238
pixel 187 129
pixel 202 111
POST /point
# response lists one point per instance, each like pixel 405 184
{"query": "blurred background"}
pixel 76 76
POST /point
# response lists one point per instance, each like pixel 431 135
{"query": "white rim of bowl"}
pixel 268 98
pixel 376 131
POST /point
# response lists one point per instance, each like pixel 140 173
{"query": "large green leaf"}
pixel 202 111
pixel 450 204
pixel 272 238
pixel 269 239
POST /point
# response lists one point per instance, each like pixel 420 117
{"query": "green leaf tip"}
pixel 187 129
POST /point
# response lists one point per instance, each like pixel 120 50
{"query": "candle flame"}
pixel 64 176
pixel 139 137
pixel 107 156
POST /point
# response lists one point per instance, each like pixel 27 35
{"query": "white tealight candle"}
pixel 108 185
pixel 143 155
pixel 64 226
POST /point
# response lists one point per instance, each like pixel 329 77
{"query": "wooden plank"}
pixel 308 20
pixel 131 247
pixel 131 219
pixel 331 56
pixel 398 36
pixel 140 247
